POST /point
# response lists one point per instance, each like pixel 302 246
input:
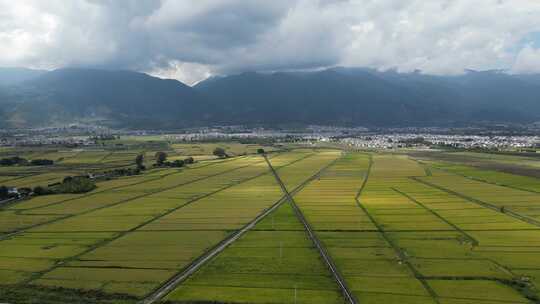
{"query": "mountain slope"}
pixel 121 98
pixel 12 76
pixel 368 97
pixel 325 97
pixel 339 96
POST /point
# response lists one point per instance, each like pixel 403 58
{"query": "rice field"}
pixel 396 230
pixel 406 241
pixel 112 155
pixel 198 150
pixel 273 263
pixel 526 183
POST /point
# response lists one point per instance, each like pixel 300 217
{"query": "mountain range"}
pixel 337 96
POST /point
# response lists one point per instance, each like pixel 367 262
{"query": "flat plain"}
pixel 395 229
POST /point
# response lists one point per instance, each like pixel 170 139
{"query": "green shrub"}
pixel 76 185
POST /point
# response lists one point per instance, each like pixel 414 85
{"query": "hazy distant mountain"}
pixel 11 76
pixel 359 96
pixel 327 97
pixel 339 96
pixel 119 98
pixel 485 96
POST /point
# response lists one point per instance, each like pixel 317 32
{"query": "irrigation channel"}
pixel 172 283
pixel 324 254
pixel 502 210
pixel 402 256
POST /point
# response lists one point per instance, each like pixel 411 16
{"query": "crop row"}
pixel 449 241
pixel 133 245
pixel 412 243
pixel 48 208
pixel 495 177
pixel 522 202
pixel 366 260
pixel 274 263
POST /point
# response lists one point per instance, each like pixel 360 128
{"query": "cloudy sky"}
pixel 193 39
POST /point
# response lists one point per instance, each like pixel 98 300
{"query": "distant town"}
pixel 498 137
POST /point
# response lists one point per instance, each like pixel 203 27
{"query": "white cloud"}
pixel 189 73
pixel 442 37
pixel 192 39
pixel 528 61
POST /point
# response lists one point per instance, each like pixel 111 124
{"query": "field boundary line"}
pixel 198 263
pixel 402 256
pixel 426 167
pixel 102 160
pixel 180 277
pixel 366 176
pixel 495 183
pixel 502 209
pixel 18 211
pixel 474 241
pixel 113 188
pixel 486 181
pixel 16 177
pixel 106 241
pixel 10 201
pixel 12 234
pixel 322 251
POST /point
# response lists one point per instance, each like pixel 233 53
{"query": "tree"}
pixel 189 160
pixel 25 191
pixel 139 161
pixel 260 151
pixel 220 152
pixel 41 162
pixel 40 190
pixel 77 184
pixel 15 160
pixel 4 192
pixel 178 163
pixel 161 157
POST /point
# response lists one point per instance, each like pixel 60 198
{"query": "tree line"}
pixel 82 184
pixel 70 184
pixel 161 161
pixel 16 160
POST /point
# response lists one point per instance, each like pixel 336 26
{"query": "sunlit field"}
pixel 395 229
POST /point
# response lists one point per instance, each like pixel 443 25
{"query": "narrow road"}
pixel 401 255
pixel 324 254
pixel 170 285
pixel 176 280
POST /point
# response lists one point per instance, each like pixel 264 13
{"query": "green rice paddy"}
pixel 397 230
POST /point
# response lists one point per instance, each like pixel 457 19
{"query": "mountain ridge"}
pixel 12 76
pixel 336 96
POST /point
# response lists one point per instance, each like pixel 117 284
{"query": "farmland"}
pixel 109 155
pixel 384 228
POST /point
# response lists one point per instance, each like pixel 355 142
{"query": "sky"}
pixel 190 40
